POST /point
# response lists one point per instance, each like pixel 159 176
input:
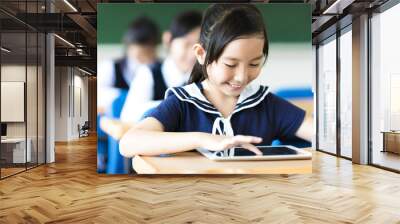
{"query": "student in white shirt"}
pixel 140 42
pixel 113 81
pixel 147 90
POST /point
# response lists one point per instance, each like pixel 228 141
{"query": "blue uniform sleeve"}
pixel 168 112
pixel 287 118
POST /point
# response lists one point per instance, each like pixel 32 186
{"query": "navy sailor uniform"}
pixel 257 112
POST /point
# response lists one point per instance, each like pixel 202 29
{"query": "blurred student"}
pixel 114 79
pixel 150 83
pixel 140 42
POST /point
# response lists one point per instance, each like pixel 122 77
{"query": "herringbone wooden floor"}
pixel 70 191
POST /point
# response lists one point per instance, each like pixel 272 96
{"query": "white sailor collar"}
pixel 251 96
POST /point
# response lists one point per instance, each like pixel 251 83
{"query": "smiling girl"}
pixel 221 108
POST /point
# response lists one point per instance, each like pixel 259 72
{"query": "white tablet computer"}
pixel 282 152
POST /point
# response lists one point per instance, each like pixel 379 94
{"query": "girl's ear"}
pixel 166 38
pixel 200 53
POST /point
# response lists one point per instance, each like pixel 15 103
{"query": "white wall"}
pixel 62 81
pixel 288 65
pixel 80 100
pixel 71 93
pixel 12 73
pixel 33 126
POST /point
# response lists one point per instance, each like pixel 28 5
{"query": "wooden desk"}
pixel 195 163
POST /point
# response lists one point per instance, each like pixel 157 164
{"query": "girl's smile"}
pixel 235 87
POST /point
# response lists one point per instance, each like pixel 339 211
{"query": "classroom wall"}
pixel 289 64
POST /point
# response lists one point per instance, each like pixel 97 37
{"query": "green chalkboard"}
pixel 285 22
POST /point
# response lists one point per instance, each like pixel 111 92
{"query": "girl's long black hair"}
pixel 223 23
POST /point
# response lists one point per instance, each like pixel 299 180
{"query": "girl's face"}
pixel 239 64
pixel 181 50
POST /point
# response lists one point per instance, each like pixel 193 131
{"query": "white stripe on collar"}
pixel 251 96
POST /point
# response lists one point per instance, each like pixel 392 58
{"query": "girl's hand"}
pixel 113 127
pixel 222 142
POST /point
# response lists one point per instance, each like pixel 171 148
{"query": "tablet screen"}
pixel 267 151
